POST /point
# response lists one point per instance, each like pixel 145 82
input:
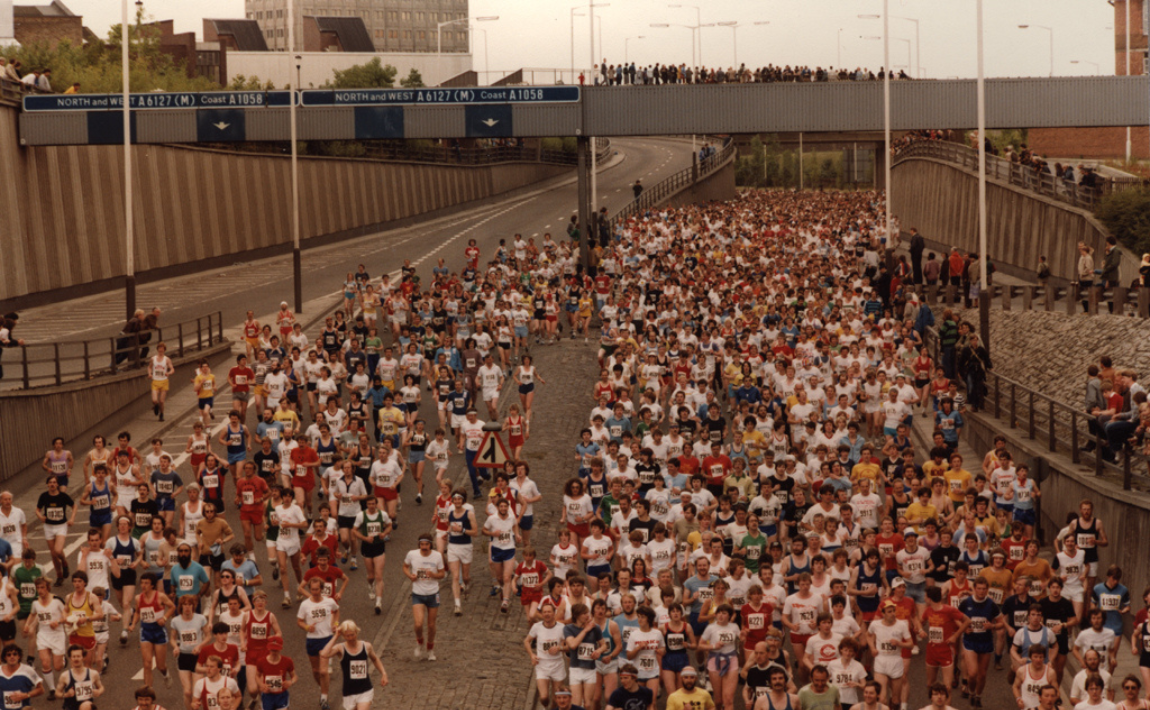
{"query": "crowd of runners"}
pixel 744 517
pixel 751 521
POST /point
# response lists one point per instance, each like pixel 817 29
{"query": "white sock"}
pixel 49 679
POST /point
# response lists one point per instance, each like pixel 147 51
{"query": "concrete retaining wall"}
pixel 941 200
pixel 719 186
pixel 62 208
pixel 73 407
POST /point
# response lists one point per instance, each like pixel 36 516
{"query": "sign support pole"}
pixel 583 173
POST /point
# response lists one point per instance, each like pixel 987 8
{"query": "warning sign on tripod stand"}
pixel 492 452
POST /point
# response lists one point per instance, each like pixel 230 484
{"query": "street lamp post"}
pixel 839 51
pixel 886 111
pixel 626 48
pixel 439 40
pixel 293 87
pixel 1050 30
pixel 129 231
pixel 698 23
pixel 917 44
pixel 983 248
pixel 664 25
pixel 1126 51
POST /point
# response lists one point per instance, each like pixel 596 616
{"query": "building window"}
pixel 393 34
pixel 407 34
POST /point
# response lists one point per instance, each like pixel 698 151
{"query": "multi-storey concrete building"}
pixel 393 25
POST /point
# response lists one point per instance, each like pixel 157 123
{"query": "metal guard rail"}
pixel 47 364
pixel 1026 177
pixel 1058 426
pixel 447 155
pixel 698 170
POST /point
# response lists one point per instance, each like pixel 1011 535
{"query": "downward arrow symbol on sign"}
pixel 490 122
pixel 221 125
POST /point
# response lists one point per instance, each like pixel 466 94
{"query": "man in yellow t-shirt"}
pixel 690 697
pixel 957 479
pixel 867 467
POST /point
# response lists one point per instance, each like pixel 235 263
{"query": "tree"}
pixel 1127 215
pixel 243 83
pixel 372 75
pixel 414 80
pixel 96 66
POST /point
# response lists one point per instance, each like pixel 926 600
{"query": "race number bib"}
pixel 935 635
pixel 358 669
pixel 186 583
pixel 249 497
pixel 148 615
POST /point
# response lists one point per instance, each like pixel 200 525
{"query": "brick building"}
pixel 392 25
pixel 207 59
pixel 48 24
pixel 1107 142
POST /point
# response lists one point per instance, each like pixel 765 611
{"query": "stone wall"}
pixel 1050 351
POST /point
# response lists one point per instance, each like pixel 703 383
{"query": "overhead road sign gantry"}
pixel 432 97
pixel 161 100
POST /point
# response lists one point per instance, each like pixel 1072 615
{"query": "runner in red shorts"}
pixel 531 577
pixel 251 494
pixel 941 626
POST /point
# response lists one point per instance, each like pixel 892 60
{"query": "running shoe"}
pixel 431 655
pixel 503 606
pixel 124 637
pixel 378 608
pixel 418 655
pixel 324 705
pixel 419 499
pixel 275 571
pixel 354 564
pixel 458 610
pixel 287 601
pixel 494 591
pixel 168 680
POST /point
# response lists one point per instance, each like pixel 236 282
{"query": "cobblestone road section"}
pixel 481 662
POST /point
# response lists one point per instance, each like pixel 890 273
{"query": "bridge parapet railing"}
pixel 661 191
pixel 54 363
pixel 1069 298
pixel 1040 181
pixel 1057 426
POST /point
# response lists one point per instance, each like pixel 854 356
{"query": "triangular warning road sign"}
pixel 492 452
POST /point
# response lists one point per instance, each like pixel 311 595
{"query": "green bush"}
pixel 1127 215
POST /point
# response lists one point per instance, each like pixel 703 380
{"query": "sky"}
pixel 537 33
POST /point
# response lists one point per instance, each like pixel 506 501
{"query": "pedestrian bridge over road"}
pixel 498 112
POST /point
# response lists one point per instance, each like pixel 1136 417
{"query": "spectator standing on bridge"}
pixel 129 336
pixel 917 246
pixel 7 323
pixel 974 361
pixel 1085 273
pixel 44 82
pixel 637 188
pixel 1110 266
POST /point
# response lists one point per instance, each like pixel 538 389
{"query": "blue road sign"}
pixel 376 122
pixel 220 125
pixel 460 96
pixel 488 121
pixel 157 100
